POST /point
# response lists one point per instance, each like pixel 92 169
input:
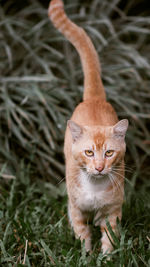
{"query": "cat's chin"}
pixel 98 175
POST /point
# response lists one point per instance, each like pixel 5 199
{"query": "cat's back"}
pixel 95 111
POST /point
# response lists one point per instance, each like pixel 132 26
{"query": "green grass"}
pixel 41 82
pixel 34 215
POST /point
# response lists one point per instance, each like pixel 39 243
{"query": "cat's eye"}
pixel 89 153
pixel 109 153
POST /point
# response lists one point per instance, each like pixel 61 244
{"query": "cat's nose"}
pixel 100 168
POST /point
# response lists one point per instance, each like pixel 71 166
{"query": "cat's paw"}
pixel 88 245
pixel 106 248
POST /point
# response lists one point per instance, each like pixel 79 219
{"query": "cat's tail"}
pixel 92 80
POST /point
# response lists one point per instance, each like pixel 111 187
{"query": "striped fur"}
pixel 95 184
pixel 77 36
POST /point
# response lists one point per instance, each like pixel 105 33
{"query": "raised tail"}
pixel 77 36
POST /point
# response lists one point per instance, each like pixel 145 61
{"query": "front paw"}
pixel 106 248
pixel 88 246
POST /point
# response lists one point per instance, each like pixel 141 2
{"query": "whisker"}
pixel 129 168
pixel 61 180
pixel 120 169
pixel 117 173
pixel 111 180
pixel 126 179
pixel 117 184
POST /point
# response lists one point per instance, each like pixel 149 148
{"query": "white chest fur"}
pixel 92 193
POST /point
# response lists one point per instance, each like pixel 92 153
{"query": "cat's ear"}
pixel 76 130
pixel 120 128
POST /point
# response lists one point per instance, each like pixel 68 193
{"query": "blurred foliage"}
pixel 41 80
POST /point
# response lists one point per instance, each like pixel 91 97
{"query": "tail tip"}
pixel 58 4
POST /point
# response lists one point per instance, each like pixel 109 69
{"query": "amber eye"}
pixel 109 153
pixel 89 153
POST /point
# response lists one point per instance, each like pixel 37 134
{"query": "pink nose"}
pixel 99 169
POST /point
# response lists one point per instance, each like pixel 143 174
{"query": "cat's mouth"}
pixel 98 175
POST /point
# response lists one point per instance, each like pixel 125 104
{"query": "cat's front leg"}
pixel 79 222
pixel 105 240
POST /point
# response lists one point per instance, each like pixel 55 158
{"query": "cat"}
pixel 94 144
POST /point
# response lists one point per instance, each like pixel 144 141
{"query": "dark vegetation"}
pixel 41 81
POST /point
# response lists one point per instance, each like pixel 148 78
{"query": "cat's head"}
pixel 98 149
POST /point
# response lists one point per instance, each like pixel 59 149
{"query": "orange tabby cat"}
pixel 94 144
